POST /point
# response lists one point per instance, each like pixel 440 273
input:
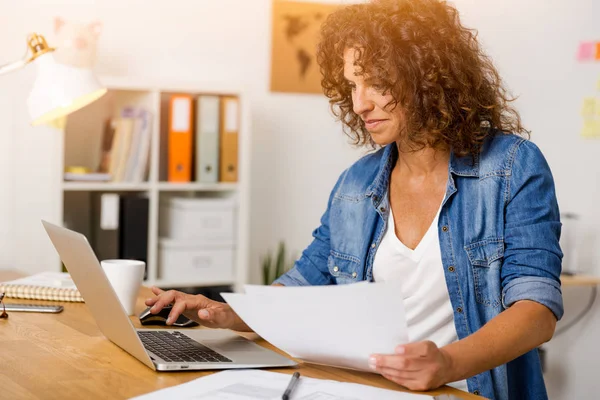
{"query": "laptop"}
pixel 159 349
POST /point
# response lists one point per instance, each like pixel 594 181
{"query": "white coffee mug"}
pixel 126 278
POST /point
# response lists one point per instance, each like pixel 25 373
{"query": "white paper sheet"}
pixel 340 325
pixel 263 385
pixel 56 280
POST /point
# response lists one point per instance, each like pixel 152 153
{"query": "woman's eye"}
pixel 378 86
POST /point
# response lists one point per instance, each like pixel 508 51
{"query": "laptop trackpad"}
pixel 229 346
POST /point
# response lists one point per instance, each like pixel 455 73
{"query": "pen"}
pixel 291 386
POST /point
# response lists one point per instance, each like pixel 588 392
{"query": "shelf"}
pixel 162 186
pixel 83 141
pixel 580 280
pixel 197 186
pixel 105 186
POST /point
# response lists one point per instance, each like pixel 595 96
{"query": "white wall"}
pixel 298 150
pixel 6 171
pixel 534 45
pixel 189 40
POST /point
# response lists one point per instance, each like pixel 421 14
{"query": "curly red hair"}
pixel 417 50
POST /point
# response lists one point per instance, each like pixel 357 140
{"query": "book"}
pixel 119 153
pixel 107 145
pixel 87 177
pixel 135 139
pixel 57 286
pixel 142 166
pixel 139 153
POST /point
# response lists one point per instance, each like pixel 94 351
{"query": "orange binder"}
pixel 228 130
pixel 180 138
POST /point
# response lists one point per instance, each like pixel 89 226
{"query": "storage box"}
pixel 205 219
pixel 182 261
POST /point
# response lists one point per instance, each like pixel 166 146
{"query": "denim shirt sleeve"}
pixel 532 255
pixel 311 268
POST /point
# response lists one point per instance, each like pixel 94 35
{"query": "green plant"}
pixel 274 267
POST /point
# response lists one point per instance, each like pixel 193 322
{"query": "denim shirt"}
pixel 498 228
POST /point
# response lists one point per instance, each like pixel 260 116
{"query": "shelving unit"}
pixel 82 144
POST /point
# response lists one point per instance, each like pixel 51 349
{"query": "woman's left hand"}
pixel 416 366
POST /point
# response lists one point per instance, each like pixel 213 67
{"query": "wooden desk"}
pixel 64 356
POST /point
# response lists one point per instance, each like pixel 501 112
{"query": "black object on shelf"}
pixel 104 241
pixel 133 224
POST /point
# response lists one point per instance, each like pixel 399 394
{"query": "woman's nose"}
pixel 361 101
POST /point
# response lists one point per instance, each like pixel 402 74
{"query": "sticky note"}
pixel 598 51
pixel 586 51
pixel 591 128
pixel 588 110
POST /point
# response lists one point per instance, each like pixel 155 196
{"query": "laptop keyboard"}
pixel 177 347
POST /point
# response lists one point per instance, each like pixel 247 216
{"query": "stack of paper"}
pixel 262 385
pixel 340 325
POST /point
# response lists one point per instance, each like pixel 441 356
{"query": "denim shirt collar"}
pixel 378 188
pixel 462 166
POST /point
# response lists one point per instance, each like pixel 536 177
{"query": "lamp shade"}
pixel 60 89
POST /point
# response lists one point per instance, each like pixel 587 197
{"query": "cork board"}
pixel 295 34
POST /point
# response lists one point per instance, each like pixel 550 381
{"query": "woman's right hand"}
pixel 207 312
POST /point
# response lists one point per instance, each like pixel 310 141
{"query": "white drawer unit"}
pixel 205 219
pixel 181 261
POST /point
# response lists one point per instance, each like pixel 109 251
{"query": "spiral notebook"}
pixel 56 286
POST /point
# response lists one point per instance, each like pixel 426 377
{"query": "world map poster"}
pixel 295 36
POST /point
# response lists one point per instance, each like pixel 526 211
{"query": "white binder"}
pixel 207 139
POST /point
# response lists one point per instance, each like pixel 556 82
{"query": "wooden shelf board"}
pixel 105 186
pixel 580 280
pixel 196 186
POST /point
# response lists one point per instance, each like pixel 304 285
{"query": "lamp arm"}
pixel 37 45
pixel 15 65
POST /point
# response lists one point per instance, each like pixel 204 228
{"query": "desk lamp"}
pixel 58 89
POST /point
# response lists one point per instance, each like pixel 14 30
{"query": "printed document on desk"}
pixel 263 385
pixel 339 325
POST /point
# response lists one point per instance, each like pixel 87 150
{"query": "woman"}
pixel 453 204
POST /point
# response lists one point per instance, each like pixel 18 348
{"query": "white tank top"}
pixel 429 313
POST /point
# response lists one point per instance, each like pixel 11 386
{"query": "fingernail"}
pixel 169 320
pixel 400 350
pixel 147 300
pixel 373 362
pixel 203 314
